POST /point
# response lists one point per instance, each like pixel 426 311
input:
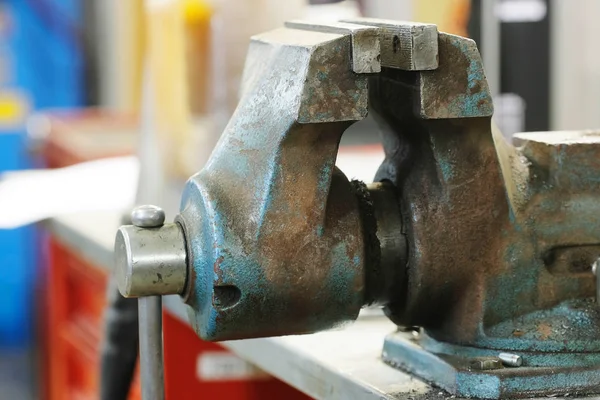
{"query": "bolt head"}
pixel 148 216
pixel 485 364
pixel 511 360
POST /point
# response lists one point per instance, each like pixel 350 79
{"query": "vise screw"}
pixel 484 247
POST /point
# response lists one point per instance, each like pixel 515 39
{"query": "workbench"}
pixel 337 364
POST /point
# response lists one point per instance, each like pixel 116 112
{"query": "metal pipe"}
pixel 151 348
pixel 490 43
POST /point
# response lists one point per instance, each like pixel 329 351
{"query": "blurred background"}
pixel 82 81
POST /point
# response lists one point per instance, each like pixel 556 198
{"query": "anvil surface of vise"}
pixel 486 247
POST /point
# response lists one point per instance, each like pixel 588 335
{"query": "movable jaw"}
pixel 275 236
pixel 303 280
pixel 280 245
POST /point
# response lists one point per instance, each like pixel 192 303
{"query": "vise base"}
pixel 458 369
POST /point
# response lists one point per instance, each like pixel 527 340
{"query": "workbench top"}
pixel 337 364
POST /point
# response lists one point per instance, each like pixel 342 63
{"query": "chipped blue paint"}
pixel 531 358
pixel 325 176
pixel 447 170
pixel 447 366
pixel 256 215
pixel 249 199
pixel 466 100
pixel 517 301
pixel 324 115
pixel 479 385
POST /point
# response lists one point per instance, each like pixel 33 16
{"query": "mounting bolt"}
pixel 485 363
pixel 511 360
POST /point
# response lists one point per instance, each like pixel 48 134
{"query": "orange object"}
pixel 196 369
pixel 76 297
pixel 74 289
pixel 76 136
pixel 451 16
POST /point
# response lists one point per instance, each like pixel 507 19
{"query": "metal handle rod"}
pixel 490 43
pixel 151 348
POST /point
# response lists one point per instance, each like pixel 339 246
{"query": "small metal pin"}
pixel 511 360
pixel 148 216
pixel 596 272
pixel 150 319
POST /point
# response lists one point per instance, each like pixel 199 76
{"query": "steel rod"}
pixel 151 348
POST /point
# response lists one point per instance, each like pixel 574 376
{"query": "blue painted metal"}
pixel 465 91
pixel 500 239
pixel 278 246
pixel 448 366
pixel 41 65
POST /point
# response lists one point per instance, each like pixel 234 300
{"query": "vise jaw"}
pixel 484 246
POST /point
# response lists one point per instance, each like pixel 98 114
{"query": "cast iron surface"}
pixel 494 243
pixel 274 231
pixel 450 367
pixel 501 240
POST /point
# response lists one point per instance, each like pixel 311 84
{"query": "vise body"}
pixel 482 247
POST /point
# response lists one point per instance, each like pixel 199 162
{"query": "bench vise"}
pixel 481 251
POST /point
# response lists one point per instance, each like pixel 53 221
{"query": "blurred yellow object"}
pixel 197 14
pixel 195 56
pixel 196 11
pixel 450 16
pixel 169 90
pixel 13 108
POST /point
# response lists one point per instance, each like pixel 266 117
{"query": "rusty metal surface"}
pixel 457 88
pixel 366 53
pixel 495 233
pixel 489 248
pixel 453 368
pixel 410 46
pixel 500 239
pixel 279 248
pixel 449 179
